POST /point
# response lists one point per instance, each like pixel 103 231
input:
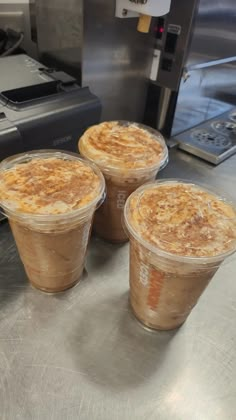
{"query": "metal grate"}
pixel 210 138
pixel 227 128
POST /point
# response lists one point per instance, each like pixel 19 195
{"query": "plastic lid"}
pixel 48 183
pixel 181 219
pixel 122 146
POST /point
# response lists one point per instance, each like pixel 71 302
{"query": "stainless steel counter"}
pixel 81 355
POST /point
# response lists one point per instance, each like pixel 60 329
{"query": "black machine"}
pixel 41 108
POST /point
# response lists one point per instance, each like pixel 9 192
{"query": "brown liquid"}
pixel 50 204
pixel 172 227
pixel 108 221
pixel 129 155
pixel 163 295
pixel 53 261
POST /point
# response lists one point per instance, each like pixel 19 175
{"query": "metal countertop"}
pixel 81 355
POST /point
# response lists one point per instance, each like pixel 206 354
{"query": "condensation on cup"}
pixel 128 154
pixel 180 233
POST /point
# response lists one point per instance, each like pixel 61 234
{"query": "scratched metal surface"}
pixel 81 355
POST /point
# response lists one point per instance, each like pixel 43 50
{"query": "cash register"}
pixel 41 107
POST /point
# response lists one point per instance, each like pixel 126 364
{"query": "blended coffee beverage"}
pixel 129 155
pixel 50 198
pixel 180 233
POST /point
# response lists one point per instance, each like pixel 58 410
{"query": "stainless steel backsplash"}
pixel 103 52
pixel 210 90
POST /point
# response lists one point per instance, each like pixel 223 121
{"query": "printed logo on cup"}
pixel 144 274
pixel 121 199
pixel 156 282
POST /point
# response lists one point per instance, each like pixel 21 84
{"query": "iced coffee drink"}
pixel 50 198
pixel 180 233
pixel 129 155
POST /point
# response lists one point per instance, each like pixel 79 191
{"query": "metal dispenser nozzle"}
pixel 144 9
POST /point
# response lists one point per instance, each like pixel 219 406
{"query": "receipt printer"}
pixel 41 108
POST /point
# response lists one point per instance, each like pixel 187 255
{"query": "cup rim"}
pixel 40 217
pixel 116 171
pixel 169 255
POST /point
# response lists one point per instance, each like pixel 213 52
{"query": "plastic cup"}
pixel 128 155
pixel 180 234
pixel 52 237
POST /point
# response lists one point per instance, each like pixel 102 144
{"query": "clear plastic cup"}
pixel 129 155
pixel 51 238
pixel 179 237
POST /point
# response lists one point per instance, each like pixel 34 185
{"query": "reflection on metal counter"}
pixel 194 79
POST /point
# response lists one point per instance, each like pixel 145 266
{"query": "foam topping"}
pixel 123 146
pixel 48 186
pixel 183 219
